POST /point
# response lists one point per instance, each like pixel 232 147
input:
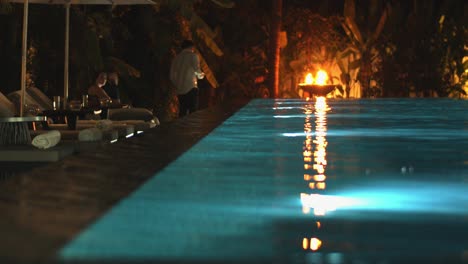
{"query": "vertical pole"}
pixel 274 57
pixel 24 54
pixel 67 43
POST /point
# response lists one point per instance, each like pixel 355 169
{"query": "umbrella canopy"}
pixel 87 2
pixel 67 4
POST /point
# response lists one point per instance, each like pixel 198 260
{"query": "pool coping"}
pixel 46 207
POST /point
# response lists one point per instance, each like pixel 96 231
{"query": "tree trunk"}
pixel 365 75
pixel 274 52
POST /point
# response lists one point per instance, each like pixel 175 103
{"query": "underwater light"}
pixel 326 203
pixel 422 197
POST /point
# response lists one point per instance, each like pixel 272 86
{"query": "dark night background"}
pixel 394 48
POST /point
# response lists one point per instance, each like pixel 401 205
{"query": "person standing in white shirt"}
pixel 184 74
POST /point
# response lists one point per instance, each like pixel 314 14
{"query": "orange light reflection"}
pixel 305 243
pixel 315 243
pixel 317 148
pixel 320 177
pixel 321 185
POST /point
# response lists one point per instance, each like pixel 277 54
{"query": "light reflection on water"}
pixel 317 181
pixel 315 148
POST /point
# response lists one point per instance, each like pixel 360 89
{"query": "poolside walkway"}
pixel 46 207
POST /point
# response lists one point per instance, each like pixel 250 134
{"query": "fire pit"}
pixel 317 86
pixel 317 89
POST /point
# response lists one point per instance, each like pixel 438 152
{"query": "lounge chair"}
pixel 43 100
pixel 32 107
pixel 7 108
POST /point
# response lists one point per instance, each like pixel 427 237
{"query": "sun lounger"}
pixel 7 108
pixel 31 104
pixel 40 98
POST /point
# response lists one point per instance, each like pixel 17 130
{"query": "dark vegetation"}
pixel 392 48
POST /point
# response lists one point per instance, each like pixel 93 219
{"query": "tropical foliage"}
pixel 426 50
pixel 136 41
pixel 313 44
pixel 402 48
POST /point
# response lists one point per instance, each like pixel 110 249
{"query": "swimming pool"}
pixel 293 181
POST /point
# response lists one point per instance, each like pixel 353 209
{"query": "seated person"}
pixel 112 86
pixel 96 93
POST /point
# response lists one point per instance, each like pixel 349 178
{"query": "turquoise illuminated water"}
pixel 290 181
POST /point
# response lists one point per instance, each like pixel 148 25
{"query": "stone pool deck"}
pixel 45 207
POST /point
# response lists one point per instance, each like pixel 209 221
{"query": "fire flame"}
pixel 321 79
pixel 309 79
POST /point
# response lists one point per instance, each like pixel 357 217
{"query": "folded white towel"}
pixel 47 140
pixel 90 134
pixel 104 124
pixel 154 122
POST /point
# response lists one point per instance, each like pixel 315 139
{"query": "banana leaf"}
pixel 209 75
pixel 381 24
pixel 353 30
pixel 224 3
pixel 349 9
pixel 205 33
pixel 347 52
pixel 339 61
pixel 210 43
pixel 355 64
pixel 196 22
pixel 121 67
pixel 199 27
pixel 350 14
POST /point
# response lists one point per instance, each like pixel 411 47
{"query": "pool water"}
pixel 294 181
